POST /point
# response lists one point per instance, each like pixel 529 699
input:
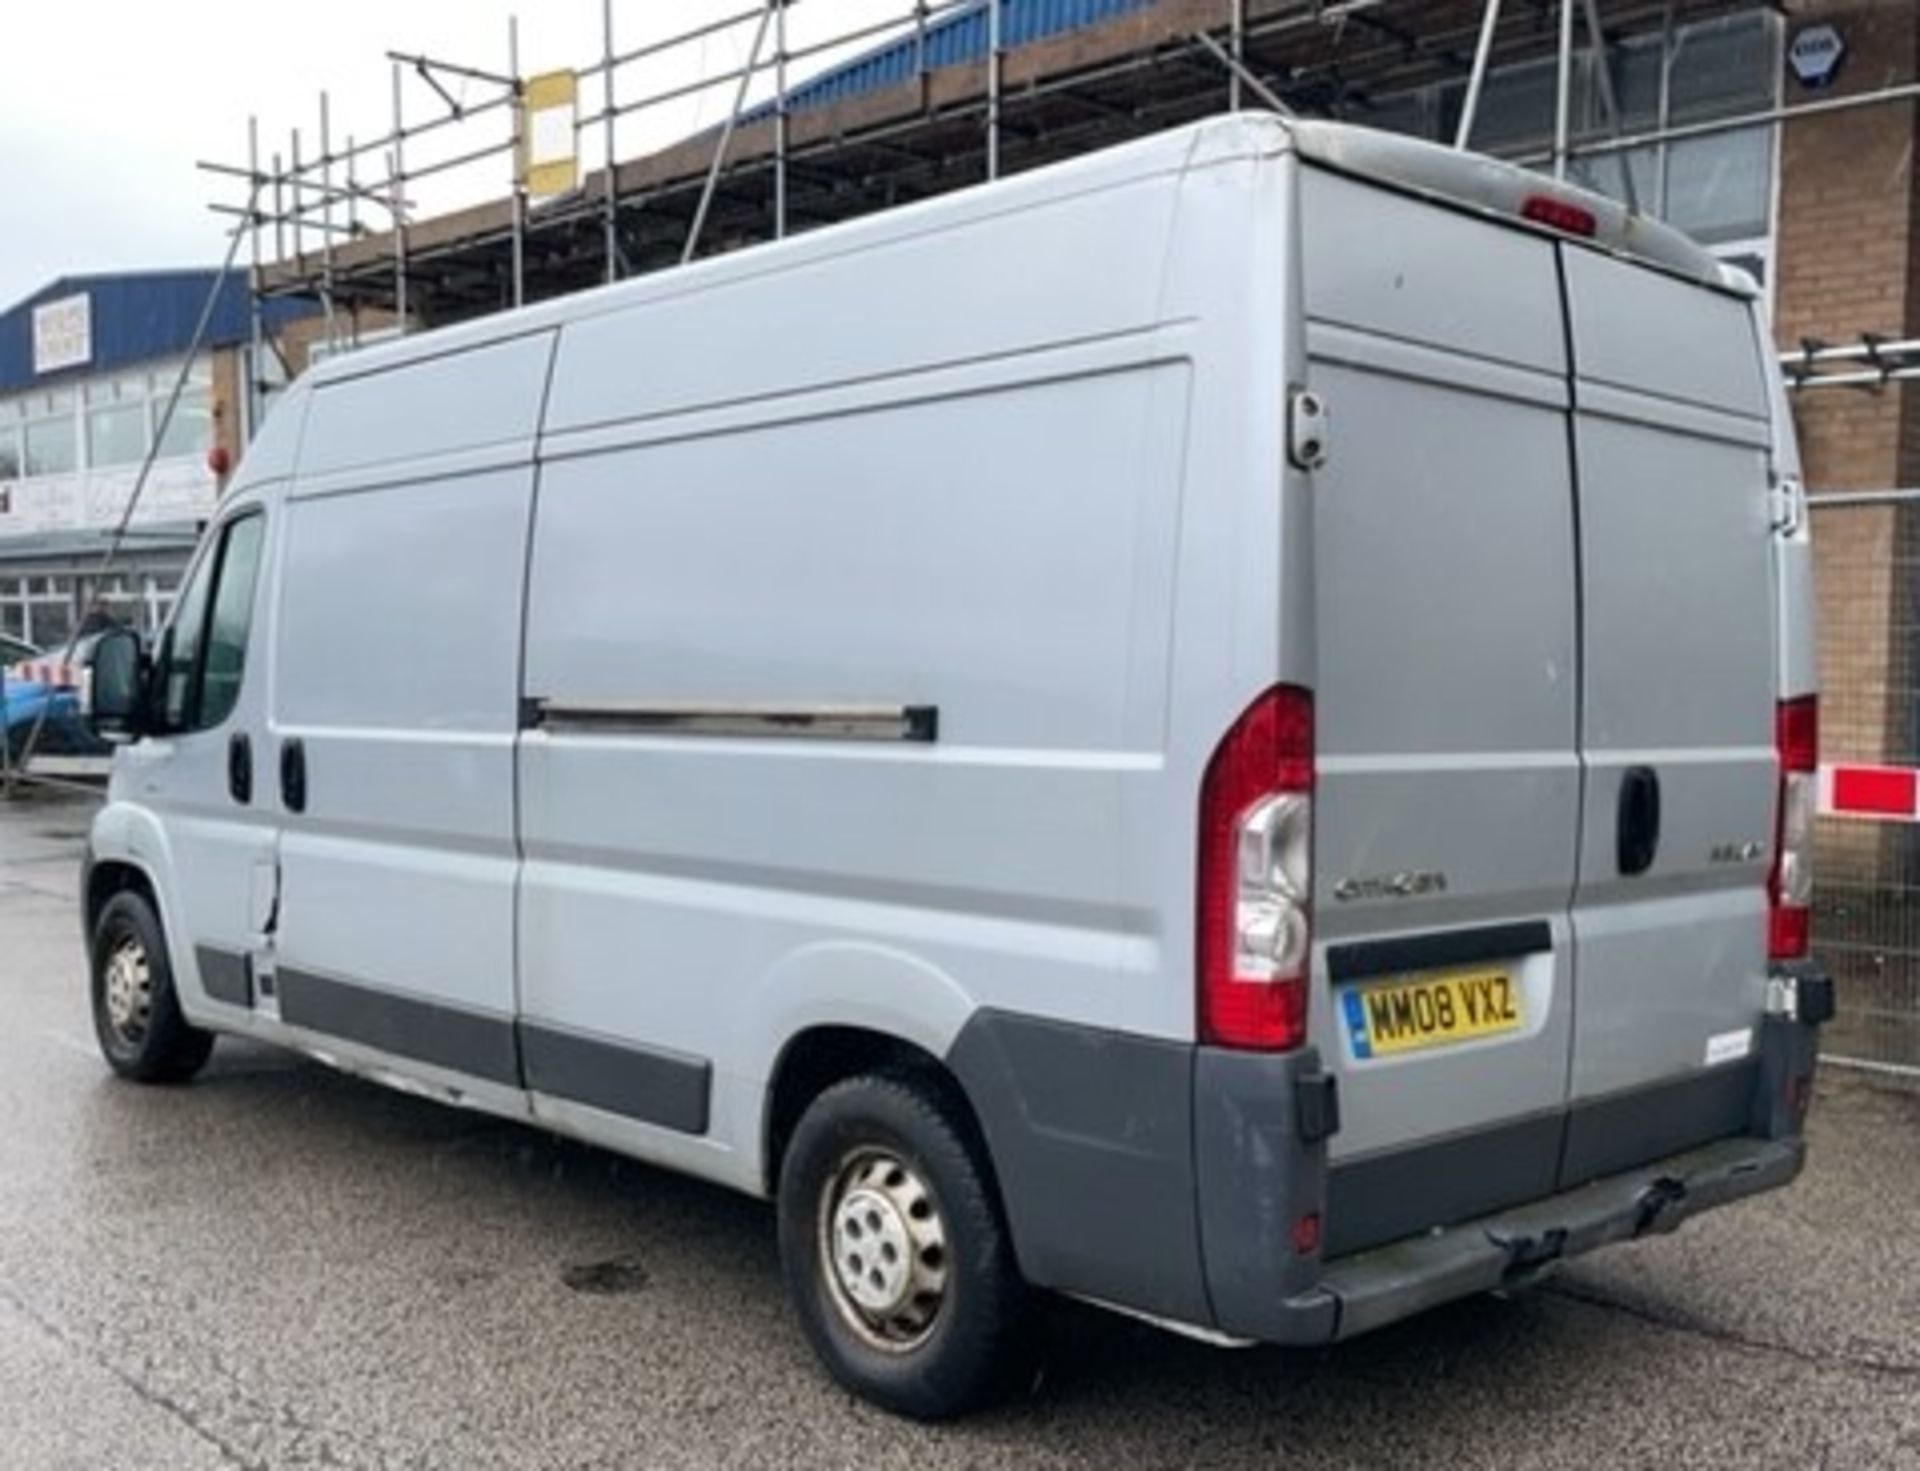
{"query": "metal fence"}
pixel 1867 873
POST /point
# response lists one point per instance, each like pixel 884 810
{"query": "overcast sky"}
pixel 106 104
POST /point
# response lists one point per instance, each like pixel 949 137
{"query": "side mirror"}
pixel 117 679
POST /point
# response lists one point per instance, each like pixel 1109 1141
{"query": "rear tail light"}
pixel 1256 876
pixel 1559 214
pixel 1796 735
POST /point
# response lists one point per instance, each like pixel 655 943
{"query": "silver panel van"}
pixel 1224 728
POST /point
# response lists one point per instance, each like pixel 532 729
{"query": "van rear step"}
pixel 1514 1248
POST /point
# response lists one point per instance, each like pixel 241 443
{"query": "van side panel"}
pixel 983 555
pixel 980 288
pixel 973 505
pixel 483 397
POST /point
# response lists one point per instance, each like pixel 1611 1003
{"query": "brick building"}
pixel 1846 242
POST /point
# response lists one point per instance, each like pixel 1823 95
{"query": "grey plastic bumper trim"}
pixel 1374 1288
pixel 650 1084
pixel 225 975
pixel 1366 958
pixel 469 1042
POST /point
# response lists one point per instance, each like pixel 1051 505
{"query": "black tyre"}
pixel 894 1249
pixel 136 1015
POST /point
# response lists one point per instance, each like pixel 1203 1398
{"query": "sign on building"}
pixel 549 112
pixel 63 333
pixel 1815 53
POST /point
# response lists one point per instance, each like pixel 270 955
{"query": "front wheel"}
pixel 136 1013
pixel 894 1251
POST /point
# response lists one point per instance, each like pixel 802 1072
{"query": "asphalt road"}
pixel 277 1266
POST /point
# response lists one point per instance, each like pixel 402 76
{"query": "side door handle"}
pixel 240 767
pixel 1639 820
pixel 293 775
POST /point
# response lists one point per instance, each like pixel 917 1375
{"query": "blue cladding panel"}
pixel 136 316
pixel 950 41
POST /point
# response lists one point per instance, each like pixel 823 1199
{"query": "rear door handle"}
pixel 293 775
pixel 240 767
pixel 1639 820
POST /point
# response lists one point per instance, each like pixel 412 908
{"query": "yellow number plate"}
pixel 1403 1015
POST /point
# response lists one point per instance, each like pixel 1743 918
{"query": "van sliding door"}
pixel 396 710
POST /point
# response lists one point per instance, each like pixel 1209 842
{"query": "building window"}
pixel 12 462
pixel 111 425
pixel 41 608
pixel 116 435
pixel 37 608
pixel 50 440
pixel 1718 187
pixel 190 432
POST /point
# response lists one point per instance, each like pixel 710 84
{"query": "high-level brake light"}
pixel 1560 214
pixel 1256 876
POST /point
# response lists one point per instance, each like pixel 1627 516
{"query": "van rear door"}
pixel 1671 440
pixel 1448 779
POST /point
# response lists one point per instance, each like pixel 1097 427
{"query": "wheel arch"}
pixel 107 877
pixel 820 1056
pixel 128 851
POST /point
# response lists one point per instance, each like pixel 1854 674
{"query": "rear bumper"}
pixel 1515 1247
pixel 1194 1185
pixel 1644 1175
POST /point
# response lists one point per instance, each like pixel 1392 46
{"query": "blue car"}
pixel 63 731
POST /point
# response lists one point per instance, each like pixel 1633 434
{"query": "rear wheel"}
pixel 894 1251
pixel 136 1013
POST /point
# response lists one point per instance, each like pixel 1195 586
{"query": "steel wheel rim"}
pixel 882 1246
pixel 127 987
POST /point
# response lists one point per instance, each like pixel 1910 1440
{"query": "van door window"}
pixel 226 655
pixel 206 651
pixel 180 650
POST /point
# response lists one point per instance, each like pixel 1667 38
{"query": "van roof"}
pixel 1466 180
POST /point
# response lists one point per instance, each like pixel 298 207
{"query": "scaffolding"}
pixel 962 99
pixel 1870 363
pixel 334 217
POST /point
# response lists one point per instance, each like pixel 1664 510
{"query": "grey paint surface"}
pixel 1447 664
pixel 1678 670
pixel 159 1248
pixel 1557 568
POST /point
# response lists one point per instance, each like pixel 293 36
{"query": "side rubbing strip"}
pixel 817 722
pixel 645 1083
pixel 225 975
pixel 480 1046
pixel 1430 952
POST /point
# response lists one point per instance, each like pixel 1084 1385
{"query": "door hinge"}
pixel 1787 505
pixel 1307 429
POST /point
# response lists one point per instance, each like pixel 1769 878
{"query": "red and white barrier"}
pixel 44 671
pixel 1870 793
